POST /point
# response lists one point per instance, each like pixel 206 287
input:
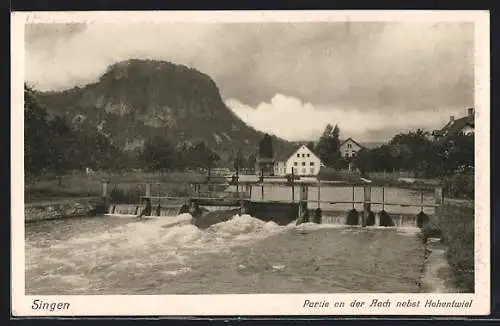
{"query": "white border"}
pixel 261 304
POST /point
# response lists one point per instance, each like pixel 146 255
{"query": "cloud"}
pixel 294 120
pixel 371 77
pixel 381 66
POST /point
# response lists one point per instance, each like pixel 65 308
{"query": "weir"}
pixel 237 197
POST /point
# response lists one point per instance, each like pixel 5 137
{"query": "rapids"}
pixel 110 255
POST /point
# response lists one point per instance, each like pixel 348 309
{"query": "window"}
pixel 298 155
pixel 308 155
pixel 303 163
pixel 303 155
pixel 295 163
pixel 311 164
pixel 312 170
pixel 346 154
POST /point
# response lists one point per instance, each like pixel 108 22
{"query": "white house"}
pixel 349 148
pixel 302 160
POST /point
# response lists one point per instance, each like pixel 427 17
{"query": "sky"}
pixel 373 79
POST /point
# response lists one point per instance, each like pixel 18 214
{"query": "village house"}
pixel 464 125
pixel 349 148
pixel 301 159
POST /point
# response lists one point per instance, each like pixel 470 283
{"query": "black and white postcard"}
pixel 250 163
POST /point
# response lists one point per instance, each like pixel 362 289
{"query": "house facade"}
pixel 349 148
pixel 301 161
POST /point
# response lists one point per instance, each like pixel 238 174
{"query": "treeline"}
pixel 53 146
pixel 418 152
pixel 414 151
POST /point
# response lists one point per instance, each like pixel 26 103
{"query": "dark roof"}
pixel 452 128
pixel 285 155
pixel 355 142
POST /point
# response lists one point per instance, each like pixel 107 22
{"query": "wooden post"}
pixel 158 191
pixel 352 197
pixel 104 188
pixel 148 190
pixel 319 193
pixel 366 205
pixel 303 202
pixel 422 200
pixel 262 184
pixel 438 192
pixel 238 176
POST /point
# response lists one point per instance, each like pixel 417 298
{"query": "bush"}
pixel 459 186
pixel 431 230
pixel 457 225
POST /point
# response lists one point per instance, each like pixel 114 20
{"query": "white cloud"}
pixel 291 119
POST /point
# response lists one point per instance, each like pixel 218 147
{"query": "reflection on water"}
pixel 107 255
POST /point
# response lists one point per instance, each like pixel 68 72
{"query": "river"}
pixel 111 255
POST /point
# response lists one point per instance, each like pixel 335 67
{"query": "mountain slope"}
pixel 138 99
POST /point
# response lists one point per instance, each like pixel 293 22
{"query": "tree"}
pixel 202 156
pixel 158 154
pixel 239 161
pixel 252 160
pixel 311 146
pixel 36 136
pixel 458 154
pixel 266 147
pixel 328 145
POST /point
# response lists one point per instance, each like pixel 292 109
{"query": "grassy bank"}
pixel 457 225
pixel 123 185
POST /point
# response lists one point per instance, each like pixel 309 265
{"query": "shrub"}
pixel 457 225
pixel 431 230
pixel 459 186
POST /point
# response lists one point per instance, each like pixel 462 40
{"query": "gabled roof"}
pixel 285 155
pixel 345 141
pixel 452 128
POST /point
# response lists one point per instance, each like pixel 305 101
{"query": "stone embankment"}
pixel 68 208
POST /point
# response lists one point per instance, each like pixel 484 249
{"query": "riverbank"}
pixel 457 223
pixel 64 208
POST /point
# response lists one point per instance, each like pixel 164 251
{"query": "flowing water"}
pixel 111 255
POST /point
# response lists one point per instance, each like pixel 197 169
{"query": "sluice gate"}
pixel 251 198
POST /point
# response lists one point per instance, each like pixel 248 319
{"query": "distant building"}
pixel 301 159
pixel 464 125
pixel 349 148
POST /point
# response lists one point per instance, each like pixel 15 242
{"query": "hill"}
pixel 136 100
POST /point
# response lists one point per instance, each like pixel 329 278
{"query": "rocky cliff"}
pixel 137 99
